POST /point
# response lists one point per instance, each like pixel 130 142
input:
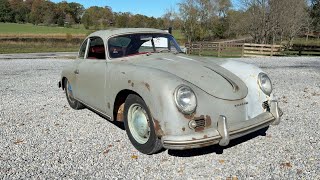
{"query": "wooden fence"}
pixel 301 50
pixel 231 49
pixel 256 50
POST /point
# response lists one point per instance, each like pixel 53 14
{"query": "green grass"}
pixel 304 53
pixel 178 35
pixel 303 41
pixel 13 28
pixel 33 47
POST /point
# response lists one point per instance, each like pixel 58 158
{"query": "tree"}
pixel 200 19
pixel 98 17
pixel 315 14
pixel 237 23
pixel 6 14
pixel 76 10
pixel 189 15
pixel 272 20
pixel 70 12
pixel 122 19
pixel 37 12
pixel 20 10
pixel 223 7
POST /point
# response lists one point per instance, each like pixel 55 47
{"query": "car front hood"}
pixel 205 74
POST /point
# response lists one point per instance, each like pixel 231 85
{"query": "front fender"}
pixel 156 87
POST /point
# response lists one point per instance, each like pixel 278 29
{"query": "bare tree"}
pixel 274 20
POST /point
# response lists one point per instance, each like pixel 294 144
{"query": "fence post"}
pixel 242 53
pixel 219 50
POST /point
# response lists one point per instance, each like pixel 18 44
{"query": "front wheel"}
pixel 139 126
pixel 69 94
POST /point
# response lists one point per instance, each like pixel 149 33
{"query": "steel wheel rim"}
pixel 138 123
pixel 70 93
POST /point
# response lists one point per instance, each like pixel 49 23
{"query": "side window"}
pixel 117 46
pixel 82 50
pixel 96 49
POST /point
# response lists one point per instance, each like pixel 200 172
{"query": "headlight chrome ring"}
pixel 265 83
pixel 185 99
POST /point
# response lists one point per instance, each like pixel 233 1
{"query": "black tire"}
pixel 153 143
pixel 72 102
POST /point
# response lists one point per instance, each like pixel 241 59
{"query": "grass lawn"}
pixel 16 29
pixel 178 35
pixel 303 41
pixel 34 47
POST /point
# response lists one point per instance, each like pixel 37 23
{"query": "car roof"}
pixel 117 31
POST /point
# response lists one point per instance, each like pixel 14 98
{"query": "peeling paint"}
pixel 147 86
pixel 120 113
pixel 189 116
pixel 157 128
pixel 200 129
pixel 208 121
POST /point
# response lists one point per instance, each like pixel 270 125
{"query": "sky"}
pixel 155 8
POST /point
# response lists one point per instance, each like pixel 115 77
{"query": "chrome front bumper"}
pixel 227 132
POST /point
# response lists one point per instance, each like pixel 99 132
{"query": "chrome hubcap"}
pixel 138 123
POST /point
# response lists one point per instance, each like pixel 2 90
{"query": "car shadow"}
pixel 216 148
pixel 196 151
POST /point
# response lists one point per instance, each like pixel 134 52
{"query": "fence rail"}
pixel 230 49
pixel 256 50
pixel 300 50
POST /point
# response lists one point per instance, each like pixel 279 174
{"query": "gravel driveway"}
pixel 42 137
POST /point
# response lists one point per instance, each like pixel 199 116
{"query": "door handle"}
pixel 76 71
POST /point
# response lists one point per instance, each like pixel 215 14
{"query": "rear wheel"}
pixel 69 94
pixel 139 126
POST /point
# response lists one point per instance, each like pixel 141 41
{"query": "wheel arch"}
pixel 119 103
pixel 63 82
pixel 118 109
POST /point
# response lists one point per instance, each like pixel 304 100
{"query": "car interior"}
pixel 96 49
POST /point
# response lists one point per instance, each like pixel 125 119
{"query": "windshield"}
pixel 135 44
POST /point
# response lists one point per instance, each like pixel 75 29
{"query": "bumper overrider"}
pixel 225 131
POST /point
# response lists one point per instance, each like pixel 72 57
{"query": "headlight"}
pixel 185 99
pixel 265 83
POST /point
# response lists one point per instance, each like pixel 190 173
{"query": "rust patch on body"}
pixel 147 86
pixel 129 81
pixel 189 116
pixel 109 106
pixel 123 72
pixel 194 139
pixel 120 113
pixel 132 84
pixel 208 121
pixel 200 129
pixel 183 129
pixel 205 136
pixel 157 128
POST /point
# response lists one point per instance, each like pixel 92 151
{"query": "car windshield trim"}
pixel 141 43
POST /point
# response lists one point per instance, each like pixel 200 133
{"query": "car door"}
pixel 91 75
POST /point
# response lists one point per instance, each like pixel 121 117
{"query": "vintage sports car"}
pixel 165 98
